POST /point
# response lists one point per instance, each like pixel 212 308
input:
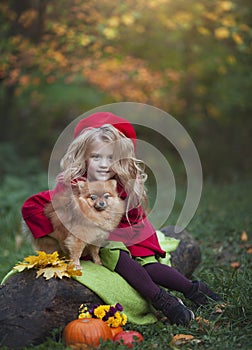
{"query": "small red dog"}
pixel 82 218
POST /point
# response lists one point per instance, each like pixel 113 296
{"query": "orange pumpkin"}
pixel 86 332
pixel 115 330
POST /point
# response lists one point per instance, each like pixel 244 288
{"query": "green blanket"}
pixel 112 288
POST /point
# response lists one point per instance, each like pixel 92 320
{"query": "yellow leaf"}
pixel 45 259
pixel 48 265
pixel 237 38
pixel 128 19
pixel 47 273
pixel 85 40
pixel 228 22
pixel 226 5
pixel 244 236
pixel 113 21
pixel 221 33
pixel 110 33
pixel 211 16
pixel 179 339
pixel 203 30
pixel 50 272
pixel 20 267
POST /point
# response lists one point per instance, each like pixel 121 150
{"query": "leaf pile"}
pixel 48 266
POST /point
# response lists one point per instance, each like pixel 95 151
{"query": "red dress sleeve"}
pixel 33 211
pixel 33 214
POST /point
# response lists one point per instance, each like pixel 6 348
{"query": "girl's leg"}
pixel 168 277
pixel 136 276
pixel 140 280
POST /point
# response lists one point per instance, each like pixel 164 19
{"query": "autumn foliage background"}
pixel 192 59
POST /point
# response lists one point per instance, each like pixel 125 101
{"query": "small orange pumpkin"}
pixel 86 331
pixel 115 330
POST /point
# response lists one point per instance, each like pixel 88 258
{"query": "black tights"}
pixel 145 279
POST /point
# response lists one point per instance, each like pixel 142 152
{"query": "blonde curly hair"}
pixel 129 171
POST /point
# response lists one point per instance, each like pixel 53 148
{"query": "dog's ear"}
pixel 113 184
pixel 77 187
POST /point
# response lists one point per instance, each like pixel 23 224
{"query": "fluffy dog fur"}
pixel 82 218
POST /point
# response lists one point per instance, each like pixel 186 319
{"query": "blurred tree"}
pixel 190 58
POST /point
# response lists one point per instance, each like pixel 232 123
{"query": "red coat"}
pixel 136 231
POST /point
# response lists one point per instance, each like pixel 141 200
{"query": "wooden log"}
pixel 31 308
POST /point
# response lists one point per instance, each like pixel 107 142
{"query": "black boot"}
pixel 172 308
pixel 201 294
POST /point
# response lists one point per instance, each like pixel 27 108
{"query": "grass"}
pixel 223 214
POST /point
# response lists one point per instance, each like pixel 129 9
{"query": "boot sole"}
pixel 191 312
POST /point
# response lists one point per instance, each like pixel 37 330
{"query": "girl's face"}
pixel 99 161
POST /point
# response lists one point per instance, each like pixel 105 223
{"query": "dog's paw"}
pixel 98 262
pixel 77 266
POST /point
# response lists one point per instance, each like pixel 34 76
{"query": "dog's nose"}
pixel 101 205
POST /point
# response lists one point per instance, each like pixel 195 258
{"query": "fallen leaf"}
pixel 52 271
pixel 249 251
pixel 202 322
pixel 48 265
pixel 71 271
pixel 244 236
pixel 219 308
pixel 179 339
pixel 235 264
pixel 20 267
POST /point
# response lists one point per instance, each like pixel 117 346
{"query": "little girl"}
pixel 104 148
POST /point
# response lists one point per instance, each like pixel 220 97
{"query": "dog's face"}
pixel 98 200
pixel 97 194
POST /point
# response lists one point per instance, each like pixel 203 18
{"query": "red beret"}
pixel 98 119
